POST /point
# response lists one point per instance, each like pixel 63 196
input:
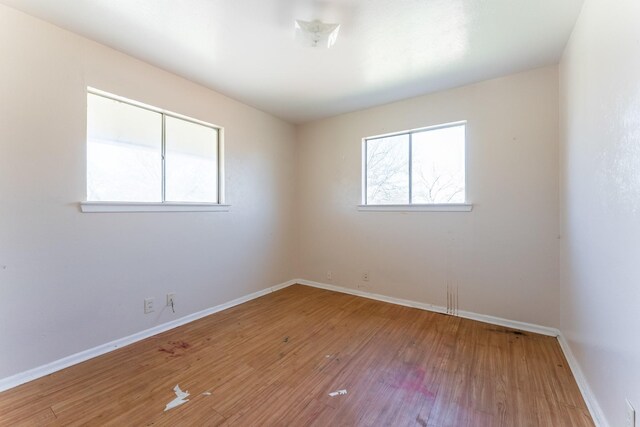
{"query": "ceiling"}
pixel 386 50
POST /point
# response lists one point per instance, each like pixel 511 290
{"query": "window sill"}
pixel 448 207
pixel 91 207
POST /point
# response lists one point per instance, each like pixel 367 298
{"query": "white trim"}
pixel 514 324
pixel 49 368
pixel 417 130
pixel 377 297
pixel 92 207
pixel 221 185
pixel 589 398
pixel 139 104
pixel 440 207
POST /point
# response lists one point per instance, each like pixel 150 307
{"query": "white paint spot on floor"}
pixel 181 397
pixel 338 393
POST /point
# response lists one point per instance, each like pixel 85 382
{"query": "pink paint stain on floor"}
pixel 414 382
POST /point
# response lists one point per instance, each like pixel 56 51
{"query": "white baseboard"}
pixel 49 368
pixel 523 326
pixel 588 396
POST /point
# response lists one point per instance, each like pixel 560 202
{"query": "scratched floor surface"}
pixel 274 361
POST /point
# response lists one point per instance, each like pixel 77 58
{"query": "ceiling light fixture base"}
pixel 316 33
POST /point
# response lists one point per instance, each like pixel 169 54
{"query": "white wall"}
pixel 503 255
pixel 600 188
pixel 70 281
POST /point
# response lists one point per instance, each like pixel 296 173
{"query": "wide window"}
pixel 136 153
pixel 418 167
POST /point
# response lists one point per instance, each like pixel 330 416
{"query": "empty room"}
pixel 320 213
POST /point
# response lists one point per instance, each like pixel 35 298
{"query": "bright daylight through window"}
pixel 421 167
pixel 139 154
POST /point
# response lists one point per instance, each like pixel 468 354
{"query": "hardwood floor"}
pixel 274 361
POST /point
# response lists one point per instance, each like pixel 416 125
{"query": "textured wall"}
pixel 600 202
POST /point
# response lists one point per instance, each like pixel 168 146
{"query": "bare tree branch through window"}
pixel 421 167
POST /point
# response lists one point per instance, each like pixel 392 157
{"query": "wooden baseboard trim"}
pixel 65 362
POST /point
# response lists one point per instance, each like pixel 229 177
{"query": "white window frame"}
pixel 413 207
pixel 164 206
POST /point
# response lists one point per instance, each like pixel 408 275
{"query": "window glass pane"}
pixel 388 170
pixel 123 152
pixel 438 174
pixel 191 162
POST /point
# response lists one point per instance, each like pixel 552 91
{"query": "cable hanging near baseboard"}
pixel 452 299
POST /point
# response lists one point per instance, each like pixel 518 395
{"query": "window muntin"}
pixel 424 166
pixel 140 154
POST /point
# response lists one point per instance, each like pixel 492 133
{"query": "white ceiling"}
pixel 386 50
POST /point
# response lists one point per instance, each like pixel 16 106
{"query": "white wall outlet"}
pixel 365 276
pixel 171 299
pixel 329 275
pixel 631 415
pixel 148 305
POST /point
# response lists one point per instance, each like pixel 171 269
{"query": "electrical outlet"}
pixel 148 305
pixel 329 275
pixel 171 299
pixel 631 415
pixel 365 276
